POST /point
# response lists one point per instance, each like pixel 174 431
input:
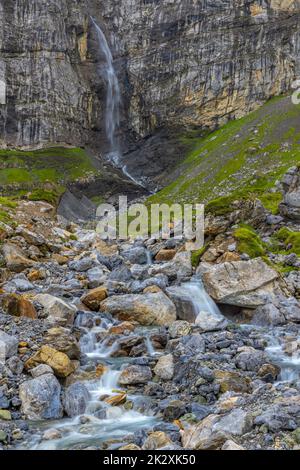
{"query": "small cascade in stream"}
pixel 289 363
pixel 101 421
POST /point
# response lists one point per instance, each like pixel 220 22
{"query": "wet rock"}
pixel 180 328
pixel 135 374
pixel 240 283
pixel 58 361
pixel 164 368
pixel 52 434
pixel 156 440
pixel 15 258
pixel 75 399
pixel 40 398
pixel 269 372
pixel 133 447
pixel 147 309
pixel 57 310
pixel 209 320
pixel 94 298
pixel 116 400
pixel 122 328
pixel 8 346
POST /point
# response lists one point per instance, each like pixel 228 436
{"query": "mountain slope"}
pixel 244 157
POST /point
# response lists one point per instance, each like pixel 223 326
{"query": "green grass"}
pixel 46 195
pixel 249 242
pixel 196 256
pixel 290 239
pixel 235 162
pixel 7 202
pixel 21 171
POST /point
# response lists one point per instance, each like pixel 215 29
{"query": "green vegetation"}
pixel 290 239
pixel 50 196
pixel 243 159
pixel 249 242
pixel 46 172
pixel 196 256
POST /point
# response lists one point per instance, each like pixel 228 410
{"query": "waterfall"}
pixel 113 98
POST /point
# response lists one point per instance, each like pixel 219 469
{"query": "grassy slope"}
pixel 46 171
pixel 243 158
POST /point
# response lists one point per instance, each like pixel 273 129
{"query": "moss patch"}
pixel 249 242
pixel 290 239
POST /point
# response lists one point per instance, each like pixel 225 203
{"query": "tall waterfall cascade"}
pixel 113 97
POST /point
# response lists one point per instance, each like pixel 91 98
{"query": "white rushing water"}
pixel 113 102
pixel 113 96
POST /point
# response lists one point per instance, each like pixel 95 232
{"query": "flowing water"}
pixel 113 96
pixel 113 102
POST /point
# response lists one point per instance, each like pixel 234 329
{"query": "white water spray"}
pixel 113 98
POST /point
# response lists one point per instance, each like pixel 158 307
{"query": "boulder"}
pixel 204 435
pixel 42 369
pixel 94 298
pixel 156 440
pixel 32 238
pixel 146 309
pixel 241 283
pixel 135 374
pixel 164 368
pixel 232 381
pixel 82 265
pixel 18 306
pixel 64 341
pixel 250 359
pixel 165 255
pixel 40 398
pixel 75 399
pixel 58 361
pixel 96 277
pixel 180 267
pixel 58 310
pixel 15 258
pixel 268 315
pixel 235 423
pixel 136 255
pixel 8 346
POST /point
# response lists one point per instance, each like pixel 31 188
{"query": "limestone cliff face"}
pixel 42 48
pixel 179 62
pixel 197 62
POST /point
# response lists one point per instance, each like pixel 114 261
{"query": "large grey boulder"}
pixel 146 309
pixel 58 311
pixel 135 374
pixel 241 283
pixel 40 398
pixel 75 399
